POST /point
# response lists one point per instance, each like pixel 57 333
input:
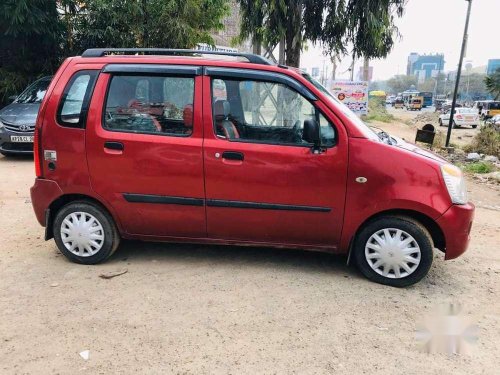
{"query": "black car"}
pixel 17 120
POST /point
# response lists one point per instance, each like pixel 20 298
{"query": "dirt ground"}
pixel 192 309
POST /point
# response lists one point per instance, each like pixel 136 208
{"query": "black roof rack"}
pixel 100 52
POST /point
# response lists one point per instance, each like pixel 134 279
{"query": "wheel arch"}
pixel 63 200
pixel 432 227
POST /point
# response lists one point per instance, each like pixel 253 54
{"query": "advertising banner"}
pixel 354 94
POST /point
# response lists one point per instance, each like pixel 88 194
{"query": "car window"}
pixel 74 102
pixel 150 104
pixel 35 92
pixel 264 112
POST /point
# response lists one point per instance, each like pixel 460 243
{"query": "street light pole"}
pixel 459 71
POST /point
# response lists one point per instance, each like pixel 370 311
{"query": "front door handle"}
pixel 233 155
pixel 118 146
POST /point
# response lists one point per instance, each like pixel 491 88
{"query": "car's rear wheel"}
pixel 393 250
pixel 440 122
pixel 474 126
pixel 85 233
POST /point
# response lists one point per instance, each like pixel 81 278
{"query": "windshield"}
pixel 369 133
pixel 35 92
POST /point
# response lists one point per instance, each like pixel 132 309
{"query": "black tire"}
pixel 474 126
pixel 410 226
pixel 111 236
pixel 440 122
pixel 454 125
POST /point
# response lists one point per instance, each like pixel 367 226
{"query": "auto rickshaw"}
pixel 415 103
pixel 399 103
pixel 487 108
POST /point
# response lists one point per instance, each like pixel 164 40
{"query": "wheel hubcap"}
pixel 82 234
pixel 392 253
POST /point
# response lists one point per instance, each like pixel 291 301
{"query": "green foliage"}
pixel 30 37
pixel 35 35
pixel 400 83
pixel 367 25
pixel 492 83
pixel 479 167
pixel 377 111
pixel 487 141
pixel 147 23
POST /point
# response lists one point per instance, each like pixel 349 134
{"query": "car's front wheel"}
pixel 85 233
pixel 393 250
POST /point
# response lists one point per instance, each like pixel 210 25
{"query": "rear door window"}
pixel 74 104
pixel 159 105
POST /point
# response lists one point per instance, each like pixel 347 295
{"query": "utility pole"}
pixel 459 71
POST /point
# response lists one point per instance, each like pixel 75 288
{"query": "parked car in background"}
pixel 177 148
pixel 462 117
pixel 17 120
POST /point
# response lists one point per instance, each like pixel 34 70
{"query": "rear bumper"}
pixel 43 193
pixel 456 224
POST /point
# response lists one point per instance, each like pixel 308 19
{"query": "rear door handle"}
pixel 233 155
pixel 118 146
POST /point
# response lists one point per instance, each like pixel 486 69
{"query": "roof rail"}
pixel 100 52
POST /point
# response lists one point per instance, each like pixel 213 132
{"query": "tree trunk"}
pixel 281 57
pixel 366 69
pixel 334 67
pixel 293 35
pixel 257 47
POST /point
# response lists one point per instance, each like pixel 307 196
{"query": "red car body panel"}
pixel 396 179
pixel 456 224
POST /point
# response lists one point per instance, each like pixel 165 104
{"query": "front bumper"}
pixel 7 146
pixel 456 224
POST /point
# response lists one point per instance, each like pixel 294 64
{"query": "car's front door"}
pixel 144 148
pixel 263 182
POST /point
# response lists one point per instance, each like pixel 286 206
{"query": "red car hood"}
pixel 420 151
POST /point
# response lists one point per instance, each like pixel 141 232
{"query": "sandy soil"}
pixel 204 309
pixel 403 129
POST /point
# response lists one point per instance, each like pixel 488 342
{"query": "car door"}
pixel 263 183
pixel 144 148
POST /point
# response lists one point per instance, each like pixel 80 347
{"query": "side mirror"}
pixel 311 133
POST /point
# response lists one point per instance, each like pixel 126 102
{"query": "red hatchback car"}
pixel 186 146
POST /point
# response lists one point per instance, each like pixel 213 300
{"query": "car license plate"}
pixel 469 118
pixel 21 138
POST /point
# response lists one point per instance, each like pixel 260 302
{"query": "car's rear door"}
pixel 144 148
pixel 263 183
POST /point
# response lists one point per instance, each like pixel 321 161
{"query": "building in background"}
pixel 224 37
pixel 493 64
pixel 425 66
pixel 412 57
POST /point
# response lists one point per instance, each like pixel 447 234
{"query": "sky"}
pixel 430 26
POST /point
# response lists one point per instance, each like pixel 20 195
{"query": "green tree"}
pixel 30 39
pixel 400 83
pixel 147 23
pixel 366 25
pixel 492 83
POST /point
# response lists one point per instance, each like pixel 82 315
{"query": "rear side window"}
pixel 160 105
pixel 74 103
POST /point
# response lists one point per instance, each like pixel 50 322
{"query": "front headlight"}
pixel 455 183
